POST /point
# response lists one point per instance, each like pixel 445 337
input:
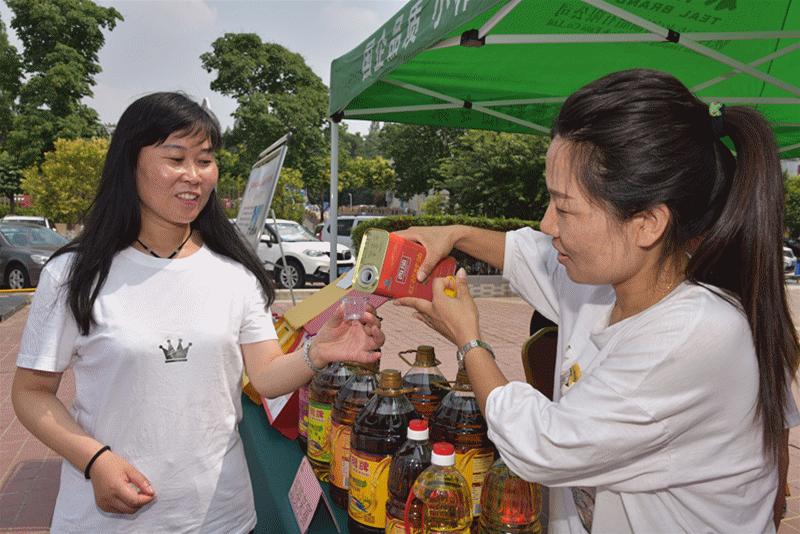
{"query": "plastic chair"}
pixel 539 359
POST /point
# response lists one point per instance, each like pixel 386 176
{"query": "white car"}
pixel 345 225
pixel 789 261
pixel 30 219
pixel 307 258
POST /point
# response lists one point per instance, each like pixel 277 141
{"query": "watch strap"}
pixel 468 346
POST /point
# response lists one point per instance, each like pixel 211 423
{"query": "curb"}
pixel 11 304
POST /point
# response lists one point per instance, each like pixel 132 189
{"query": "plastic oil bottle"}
pixel 411 459
pixel 458 420
pixel 509 505
pixel 429 384
pixel 378 432
pixel 445 494
pixel 321 396
pixel 353 395
pixel 302 418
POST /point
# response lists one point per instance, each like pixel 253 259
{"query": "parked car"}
pixel 345 225
pixel 30 219
pixel 24 249
pixel 307 258
pixel 789 260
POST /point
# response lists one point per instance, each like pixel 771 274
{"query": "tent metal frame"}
pixel 653 33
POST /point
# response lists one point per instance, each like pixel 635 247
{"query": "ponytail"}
pixel 742 253
pixel 651 141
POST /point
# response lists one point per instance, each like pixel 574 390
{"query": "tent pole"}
pixel 788 148
pixel 692 45
pixel 334 207
pixel 756 63
pixel 497 17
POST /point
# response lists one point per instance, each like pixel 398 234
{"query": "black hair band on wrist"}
pixel 91 462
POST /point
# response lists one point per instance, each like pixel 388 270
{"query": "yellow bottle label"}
pixel 369 488
pixel 340 454
pixel 473 466
pixel 302 420
pixel 396 526
pixel 319 428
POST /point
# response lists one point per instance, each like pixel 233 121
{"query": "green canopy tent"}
pixel 508 65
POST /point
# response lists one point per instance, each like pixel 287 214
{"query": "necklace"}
pixel 174 252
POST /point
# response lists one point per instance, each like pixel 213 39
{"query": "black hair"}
pixel 643 139
pixel 114 217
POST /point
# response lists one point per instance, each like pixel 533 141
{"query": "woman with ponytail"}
pixel 660 260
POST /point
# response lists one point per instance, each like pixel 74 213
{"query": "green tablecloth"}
pixel 273 461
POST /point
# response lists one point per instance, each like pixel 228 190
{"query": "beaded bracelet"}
pixel 307 357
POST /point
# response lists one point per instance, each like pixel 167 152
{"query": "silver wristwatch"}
pixel 464 349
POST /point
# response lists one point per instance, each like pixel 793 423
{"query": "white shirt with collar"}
pixel 663 420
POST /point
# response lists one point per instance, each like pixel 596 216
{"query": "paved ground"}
pixel 29 471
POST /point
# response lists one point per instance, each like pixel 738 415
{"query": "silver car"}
pixel 24 249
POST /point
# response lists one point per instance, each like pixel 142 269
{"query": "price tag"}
pixel 304 496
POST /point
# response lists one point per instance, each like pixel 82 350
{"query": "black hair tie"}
pixel 717 113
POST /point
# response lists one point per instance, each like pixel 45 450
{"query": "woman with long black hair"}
pixel 157 307
pixel 660 260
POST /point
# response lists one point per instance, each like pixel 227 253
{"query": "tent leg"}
pixel 334 208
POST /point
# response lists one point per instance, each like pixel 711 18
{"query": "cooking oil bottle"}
pixel 378 432
pixel 509 505
pixel 428 383
pixel 302 417
pixel 321 395
pixel 411 459
pixel 353 395
pixel 444 493
pixel 458 420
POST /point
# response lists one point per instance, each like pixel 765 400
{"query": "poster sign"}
pixel 260 190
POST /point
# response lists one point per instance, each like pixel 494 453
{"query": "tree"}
pixel 792 205
pixel 288 200
pixel 10 81
pixel 367 178
pixel 276 93
pixel 61 40
pixel 64 187
pixel 416 152
pixel 10 178
pixel 497 174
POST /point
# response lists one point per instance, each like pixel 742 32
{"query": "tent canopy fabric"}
pixel 508 65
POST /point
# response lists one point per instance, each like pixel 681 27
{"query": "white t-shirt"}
pixel 662 422
pixel 158 379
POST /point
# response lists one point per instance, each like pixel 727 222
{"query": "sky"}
pixel 158 45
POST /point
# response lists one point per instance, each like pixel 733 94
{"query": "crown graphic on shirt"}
pixel 175 354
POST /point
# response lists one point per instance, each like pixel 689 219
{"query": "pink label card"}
pixel 304 496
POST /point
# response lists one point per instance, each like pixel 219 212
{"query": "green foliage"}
pixel 61 41
pixel 65 185
pixel 473 266
pixel 232 177
pixel 276 93
pixel 497 174
pixel 10 80
pixel 416 152
pixel 372 173
pixel 436 204
pixel 288 200
pixel 792 205
pixel 10 179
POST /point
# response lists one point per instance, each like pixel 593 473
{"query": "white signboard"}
pixel 260 189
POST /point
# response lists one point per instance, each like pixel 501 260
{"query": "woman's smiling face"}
pixel 593 245
pixel 175 178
